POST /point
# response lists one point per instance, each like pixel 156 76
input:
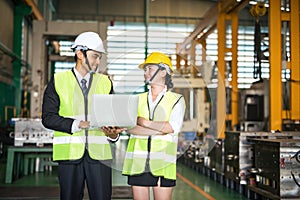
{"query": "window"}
pixel 126 47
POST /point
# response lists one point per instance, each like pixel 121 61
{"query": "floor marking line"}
pixel 194 186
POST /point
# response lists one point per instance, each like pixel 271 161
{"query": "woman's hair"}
pixel 169 82
pixel 75 58
pixel 168 79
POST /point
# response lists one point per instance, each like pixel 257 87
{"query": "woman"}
pixel 150 159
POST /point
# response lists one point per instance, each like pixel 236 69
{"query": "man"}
pixel 83 154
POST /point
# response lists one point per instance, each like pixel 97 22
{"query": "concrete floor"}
pixel 190 183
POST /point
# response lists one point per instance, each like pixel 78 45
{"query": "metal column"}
pixel 221 96
pixel 19 13
pixel 234 66
pixel 275 65
pixel 295 60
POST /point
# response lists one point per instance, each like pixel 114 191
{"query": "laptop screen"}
pixel 114 110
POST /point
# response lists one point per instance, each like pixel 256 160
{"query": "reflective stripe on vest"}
pixel 163 150
pixel 71 147
pixel 80 139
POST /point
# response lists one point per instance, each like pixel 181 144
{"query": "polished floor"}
pixel 190 184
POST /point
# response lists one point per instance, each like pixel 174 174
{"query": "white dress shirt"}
pixel 79 77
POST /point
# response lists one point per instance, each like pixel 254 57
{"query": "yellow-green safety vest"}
pixel 71 147
pixel 163 150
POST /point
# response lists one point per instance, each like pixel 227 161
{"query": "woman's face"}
pixel 149 71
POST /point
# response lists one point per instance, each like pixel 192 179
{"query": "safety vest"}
pixel 163 151
pixel 71 147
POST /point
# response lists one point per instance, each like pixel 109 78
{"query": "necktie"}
pixel 83 86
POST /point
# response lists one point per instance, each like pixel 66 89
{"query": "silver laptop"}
pixel 114 110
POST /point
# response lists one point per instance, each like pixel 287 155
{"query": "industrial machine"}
pixel 277 166
pixel 215 160
pixel 254 110
pixel 239 153
pixel 31 131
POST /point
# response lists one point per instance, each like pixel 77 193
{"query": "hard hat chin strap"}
pixel 165 67
pixel 151 79
pixel 88 63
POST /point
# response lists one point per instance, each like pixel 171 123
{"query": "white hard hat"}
pixel 88 41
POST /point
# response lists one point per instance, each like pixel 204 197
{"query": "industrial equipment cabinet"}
pixel 277 166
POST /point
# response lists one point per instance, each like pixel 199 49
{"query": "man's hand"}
pixel 84 124
pixel 112 131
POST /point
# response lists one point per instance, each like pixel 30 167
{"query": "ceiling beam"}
pixel 208 24
pixel 36 12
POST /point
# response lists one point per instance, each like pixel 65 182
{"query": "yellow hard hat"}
pixel 160 59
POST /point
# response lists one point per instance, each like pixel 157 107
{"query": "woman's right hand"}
pixel 142 122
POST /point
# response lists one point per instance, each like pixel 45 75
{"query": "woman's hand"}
pixel 143 122
pixel 163 127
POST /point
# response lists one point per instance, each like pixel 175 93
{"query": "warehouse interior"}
pixel 237 65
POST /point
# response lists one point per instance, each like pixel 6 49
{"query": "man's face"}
pixel 94 58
